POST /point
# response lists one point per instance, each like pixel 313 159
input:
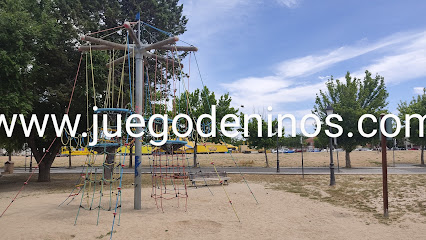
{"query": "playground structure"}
pixel 99 186
pixel 102 178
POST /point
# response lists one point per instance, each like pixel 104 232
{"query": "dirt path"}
pixel 279 215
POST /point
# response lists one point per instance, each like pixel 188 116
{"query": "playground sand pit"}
pixel 282 213
pixel 311 159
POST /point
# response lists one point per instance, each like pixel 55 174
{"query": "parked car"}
pixel 363 149
pixel 413 148
pixel 286 150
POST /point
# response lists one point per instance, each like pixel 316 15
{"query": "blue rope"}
pixel 162 31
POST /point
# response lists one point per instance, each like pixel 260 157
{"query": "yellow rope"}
pixel 108 93
pixel 121 89
pixel 221 183
pixel 113 79
pixel 93 75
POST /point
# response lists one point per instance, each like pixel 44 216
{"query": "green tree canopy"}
pixel 199 102
pixel 416 106
pixel 351 99
pixel 39 57
pixel 264 142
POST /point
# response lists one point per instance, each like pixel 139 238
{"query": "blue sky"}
pixel 279 53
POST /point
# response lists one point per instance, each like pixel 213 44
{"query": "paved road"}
pixel 399 169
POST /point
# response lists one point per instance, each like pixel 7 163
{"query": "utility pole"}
pixel 141 51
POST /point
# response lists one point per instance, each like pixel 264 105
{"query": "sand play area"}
pixel 289 208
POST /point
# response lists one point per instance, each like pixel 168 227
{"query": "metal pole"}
pixel 69 156
pixel 278 159
pixel 303 169
pixel 338 165
pixel 393 151
pixel 332 179
pixel 385 174
pixel 139 110
pixel 26 155
pixel 31 160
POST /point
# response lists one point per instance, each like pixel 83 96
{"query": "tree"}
pixel 15 60
pixel 199 102
pixel 416 106
pixel 293 142
pixel 264 142
pixel 39 56
pixel 351 99
pixel 321 142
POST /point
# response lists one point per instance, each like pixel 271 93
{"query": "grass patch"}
pixel 363 193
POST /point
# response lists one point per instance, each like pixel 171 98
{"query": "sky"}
pixel 279 53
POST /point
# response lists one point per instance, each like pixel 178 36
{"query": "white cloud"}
pixel 254 93
pixel 405 63
pixel 418 90
pixel 308 65
pixel 289 3
pixel 403 57
pixel 323 77
pixel 207 18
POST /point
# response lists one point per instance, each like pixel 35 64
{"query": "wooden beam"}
pixel 104 42
pixel 161 43
pixel 178 48
pixel 132 34
pixel 153 56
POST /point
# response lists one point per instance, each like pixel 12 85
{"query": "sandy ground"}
pixel 279 215
pixel 321 159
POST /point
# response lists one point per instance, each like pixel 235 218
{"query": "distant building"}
pixel 310 143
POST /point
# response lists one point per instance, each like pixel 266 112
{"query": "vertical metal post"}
pixel 332 178
pixel 338 165
pixel 385 174
pixel 139 86
pixel 393 151
pixel 69 156
pixel 278 159
pixel 31 160
pixel 303 168
pixel 337 154
pixel 26 155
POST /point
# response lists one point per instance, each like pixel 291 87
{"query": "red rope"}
pixel 155 84
pixel 48 149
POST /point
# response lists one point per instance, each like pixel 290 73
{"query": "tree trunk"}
pixel 9 153
pixel 195 152
pixel 266 157
pixel 422 156
pixel 44 171
pixel 348 159
pixel 45 163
